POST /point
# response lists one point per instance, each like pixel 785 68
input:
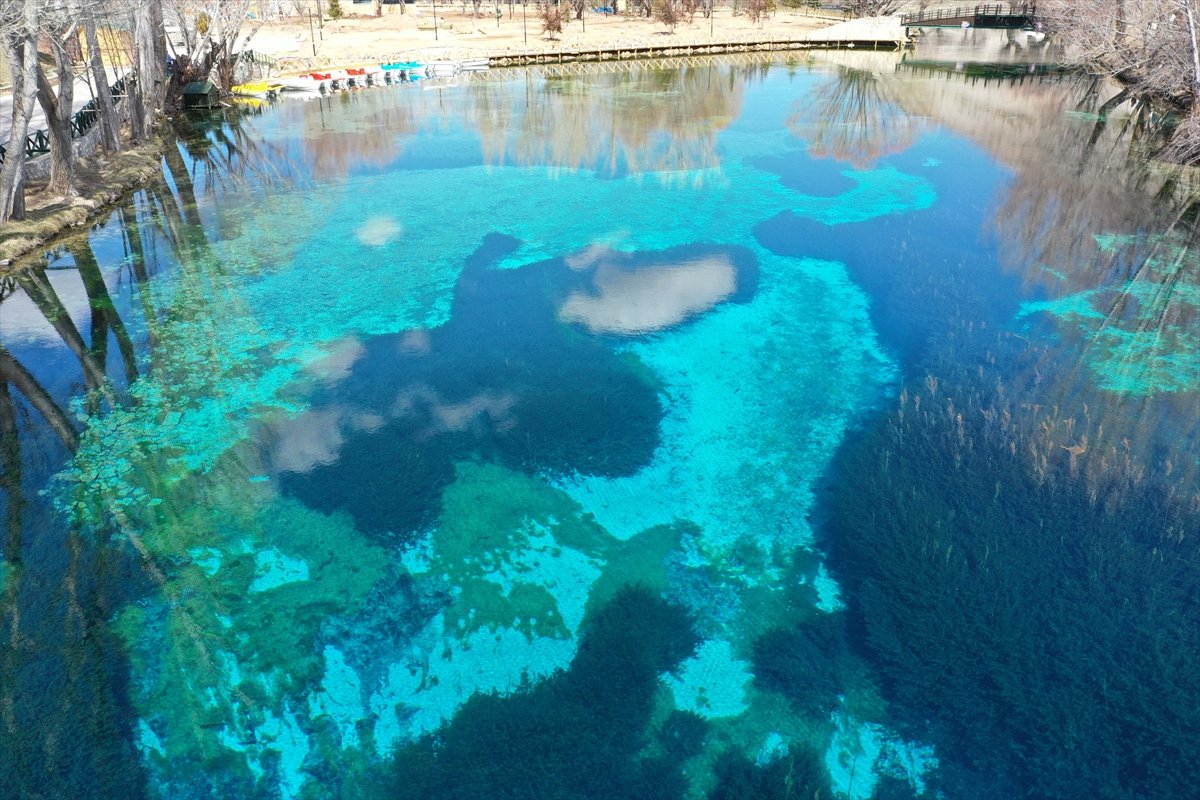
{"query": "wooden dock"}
pixel 668 50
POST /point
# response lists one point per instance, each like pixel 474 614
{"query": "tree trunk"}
pixel 20 50
pixel 110 132
pixel 379 8
pixel 13 372
pixel 103 310
pixel 57 109
pixel 150 57
pixel 1191 24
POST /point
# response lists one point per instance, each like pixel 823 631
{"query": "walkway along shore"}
pixel 668 50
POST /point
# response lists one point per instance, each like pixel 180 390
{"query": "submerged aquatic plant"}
pixel 1038 611
pixel 578 734
pixel 1140 335
pixel 797 775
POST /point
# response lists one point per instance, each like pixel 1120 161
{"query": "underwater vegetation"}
pixel 1140 330
pixel 1030 607
pixel 78 668
pixel 798 775
pixel 808 663
pixel 578 734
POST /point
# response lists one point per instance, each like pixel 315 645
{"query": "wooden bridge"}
pixel 625 52
pixel 995 16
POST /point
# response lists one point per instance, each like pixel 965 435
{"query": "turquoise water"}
pixel 621 434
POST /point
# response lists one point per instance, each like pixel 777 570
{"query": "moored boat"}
pixel 402 70
pixel 257 89
pixel 304 83
pixel 442 69
pixel 331 80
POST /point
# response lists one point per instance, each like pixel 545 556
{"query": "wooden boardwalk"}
pixel 996 16
pixel 668 51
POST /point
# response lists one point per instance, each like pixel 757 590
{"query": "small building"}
pixel 201 94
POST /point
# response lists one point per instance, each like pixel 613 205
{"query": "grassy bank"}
pixel 106 178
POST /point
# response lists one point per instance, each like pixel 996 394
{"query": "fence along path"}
pixel 993 16
pixel 38 142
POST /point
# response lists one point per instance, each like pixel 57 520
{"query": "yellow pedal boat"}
pixel 258 89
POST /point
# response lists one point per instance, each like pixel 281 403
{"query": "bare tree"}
pixel 213 35
pixel 872 8
pixel 759 10
pixel 1148 45
pixel 18 44
pixel 666 12
pixel 551 16
pixel 60 28
pixel 110 133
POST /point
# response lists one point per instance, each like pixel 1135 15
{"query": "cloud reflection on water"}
pixel 636 301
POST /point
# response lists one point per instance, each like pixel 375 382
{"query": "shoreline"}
pixel 417 33
pixel 109 179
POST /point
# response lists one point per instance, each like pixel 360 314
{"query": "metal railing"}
pixel 83 120
pixel 251 63
pixel 961 12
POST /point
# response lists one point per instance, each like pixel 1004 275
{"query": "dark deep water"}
pixel 830 430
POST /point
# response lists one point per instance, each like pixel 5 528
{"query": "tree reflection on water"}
pixel 1106 246
pixel 66 728
pixel 614 121
pixel 855 118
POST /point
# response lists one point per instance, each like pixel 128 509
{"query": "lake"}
pixel 728 428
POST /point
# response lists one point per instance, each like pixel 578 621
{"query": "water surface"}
pixel 737 430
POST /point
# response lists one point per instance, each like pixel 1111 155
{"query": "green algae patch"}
pixel 221 651
pixel 640 560
pixel 215 370
pixel 1139 336
pixel 516 559
pixel 514 552
pixel 525 570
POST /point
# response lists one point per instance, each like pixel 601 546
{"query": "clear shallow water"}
pixel 650 433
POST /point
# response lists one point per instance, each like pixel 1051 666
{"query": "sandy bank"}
pixel 400 36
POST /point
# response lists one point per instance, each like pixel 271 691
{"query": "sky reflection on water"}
pixel 383 402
